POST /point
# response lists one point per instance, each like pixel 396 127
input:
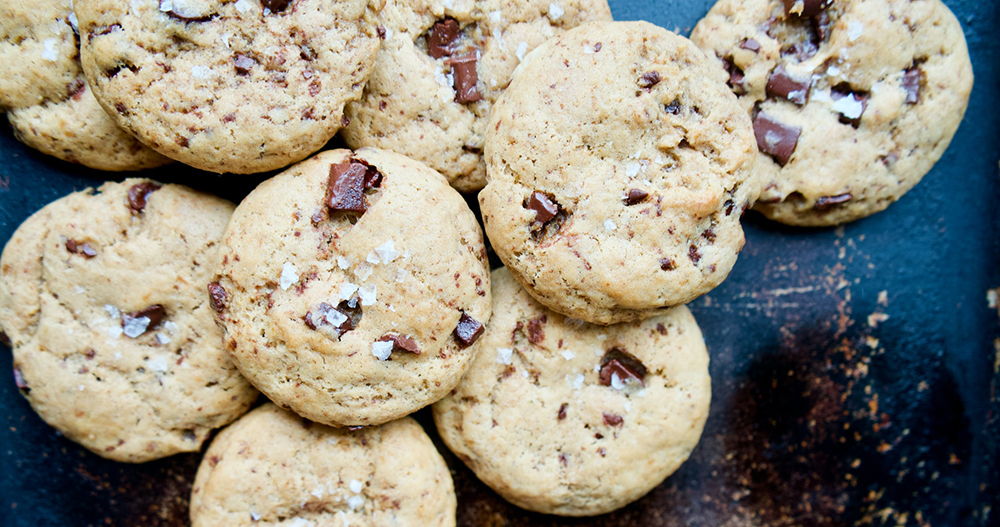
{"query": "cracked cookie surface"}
pixel 351 286
pixel 272 467
pixel 853 101
pixel 229 86
pixel 564 417
pixel 618 171
pixel 46 97
pixel 102 295
pixel 414 103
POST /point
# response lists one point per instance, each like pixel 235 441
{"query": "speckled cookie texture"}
pixel 441 68
pixel 229 86
pixel 564 417
pixel 274 468
pixel 853 101
pixel 619 164
pixel 103 297
pixel 45 94
pixel 352 285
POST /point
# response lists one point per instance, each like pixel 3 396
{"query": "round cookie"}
pixel 351 286
pixel 238 86
pixel 274 467
pixel 618 170
pixel 564 417
pixel 419 104
pixel 103 297
pixel 853 102
pixel 46 97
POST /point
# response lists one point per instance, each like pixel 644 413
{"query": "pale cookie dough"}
pixel 418 104
pixel 564 417
pixel 853 101
pixel 45 94
pixel 351 287
pixel 619 164
pixel 274 468
pixel 103 297
pixel 229 86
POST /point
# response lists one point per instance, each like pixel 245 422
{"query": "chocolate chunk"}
pixel 694 255
pixel 468 330
pixel 617 360
pixel 674 108
pixel 373 178
pixel 319 317
pixel 544 206
pixel 828 202
pixel 649 79
pixel 275 6
pixel 345 188
pixel 911 83
pixel 401 343
pixel 800 50
pixel 535 332
pixel 821 25
pixel 75 88
pixel 667 264
pixel 85 249
pixel 217 297
pixel 463 69
pixel 775 137
pixel 854 113
pixel 635 196
pixel 138 194
pixel 155 313
pixel 4 339
pixel 810 8
pixel 442 38
pixel 613 419
pixel 243 64
pixel 736 78
pixel 381 32
pixel 750 44
pixel 562 411
pixel 783 84
pixel 709 235
pixel 20 382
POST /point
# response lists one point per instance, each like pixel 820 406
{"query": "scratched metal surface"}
pixel 854 370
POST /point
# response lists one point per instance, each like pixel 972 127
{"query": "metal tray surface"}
pixel 855 370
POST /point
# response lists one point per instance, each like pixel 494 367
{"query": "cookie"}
pixel 563 417
pixel 273 467
pixel 619 164
pixel 441 68
pixel 46 97
pixel 103 297
pixel 242 87
pixel 351 286
pixel 853 102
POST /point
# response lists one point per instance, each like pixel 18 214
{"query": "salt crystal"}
pixel 112 311
pixel 387 252
pixel 616 382
pixel 602 337
pixel 318 492
pixel 496 17
pixel 135 326
pixel 73 22
pixel 356 502
pixel 347 290
pixel 343 262
pixel 448 3
pixel 381 350
pixel 166 5
pixel 854 30
pixel 301 522
pixel 171 327
pixel 522 48
pixel 597 368
pixel 632 169
pixel 568 355
pixel 628 406
pixel 363 271
pixel 254 516
pixel 162 338
pixel 289 275
pixel 833 71
pixel 524 373
pixel 118 355
pixel 201 72
pixel 335 318
pixel 849 106
pixel 79 290
pixel 244 6
pixel 158 364
pixel 49 53
pixel 498 37
pixel 609 225
pixel 367 295
pixel 555 11
pixel 356 486
pixel 372 258
pixel 80 387
pixel 505 355
pixel 578 382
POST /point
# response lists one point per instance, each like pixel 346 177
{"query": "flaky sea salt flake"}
pixel 381 350
pixel 289 276
pixel 505 356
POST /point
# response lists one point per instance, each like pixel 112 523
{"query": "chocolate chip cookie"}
pixel 852 102
pixel 274 467
pixel 237 86
pixel 563 417
pixel 45 94
pixel 102 295
pixel 352 286
pixel 441 68
pixel 619 164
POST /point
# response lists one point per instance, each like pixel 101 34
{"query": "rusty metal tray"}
pixel 854 370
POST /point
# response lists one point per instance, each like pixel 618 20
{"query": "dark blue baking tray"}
pixel 824 411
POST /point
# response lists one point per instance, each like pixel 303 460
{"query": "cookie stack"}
pixel 615 159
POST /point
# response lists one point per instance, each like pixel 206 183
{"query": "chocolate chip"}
pixel 750 44
pixel 243 64
pixel 667 264
pixel 736 78
pixel 345 188
pixel 649 79
pixel 401 343
pixel 381 32
pixel 618 361
pixel 661 329
pixel 709 235
pixel 843 90
pixel 535 332
pixel 75 88
pixel 275 6
pixel 694 255
pixel 911 83
pixel 217 297
pixel 673 108
pixel 373 178
pixel 319 317
pixel 613 419
pixel 463 70
pixel 828 202
pixel 810 8
pixel 562 411
pixel 442 37
pixel 776 138
pixel 821 25
pixel 544 206
pixel 635 196
pixel 20 382
pixel 138 194
pixel 85 249
pixel 783 84
pixel 155 313
pixel 468 330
